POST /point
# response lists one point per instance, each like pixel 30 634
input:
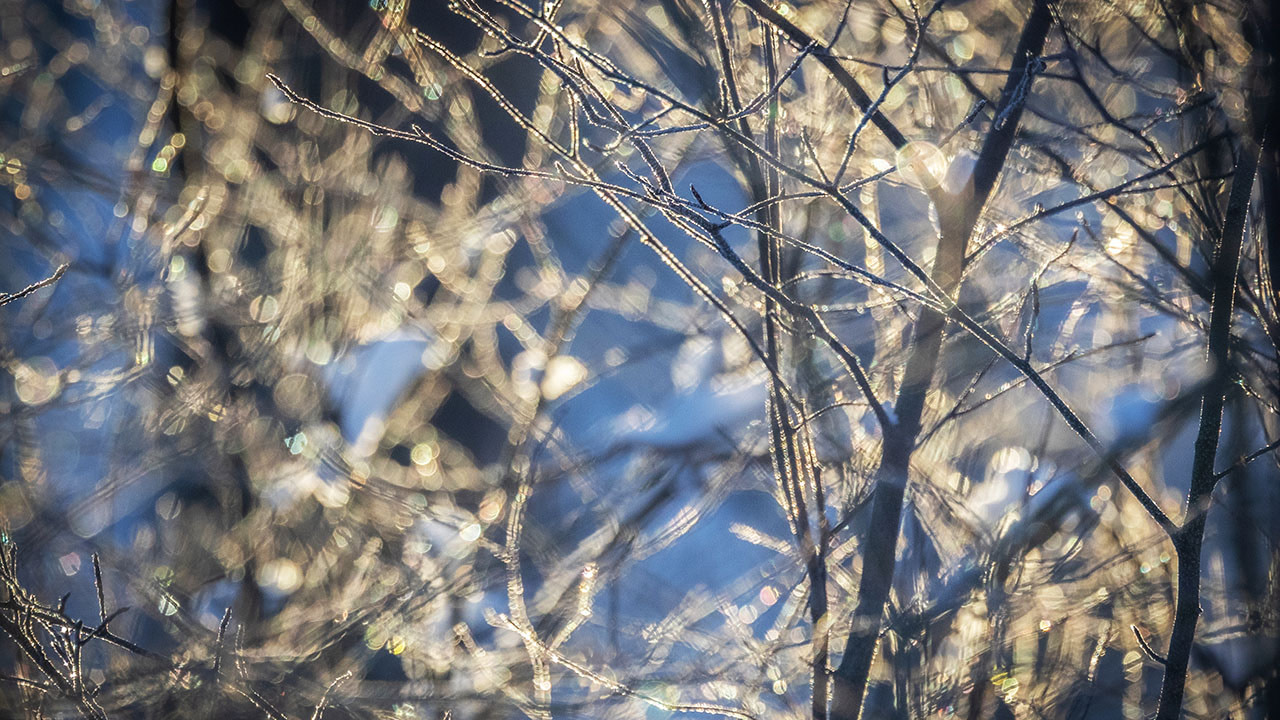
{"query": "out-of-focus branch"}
pixel 842 76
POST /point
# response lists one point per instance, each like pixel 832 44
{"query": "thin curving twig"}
pixel 6 298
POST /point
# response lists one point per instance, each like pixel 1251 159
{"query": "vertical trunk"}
pixel 1189 538
pixel 850 682
pixel 957 216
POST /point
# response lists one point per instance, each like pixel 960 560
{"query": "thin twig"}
pixel 1188 539
pixel 1247 459
pixel 6 298
pixel 1146 647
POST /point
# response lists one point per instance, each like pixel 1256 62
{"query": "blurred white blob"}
pixel 563 373
pixel 957 175
pixel 921 164
pixel 714 408
pixel 275 107
pixel 709 402
pixel 959 171
pixel 367 383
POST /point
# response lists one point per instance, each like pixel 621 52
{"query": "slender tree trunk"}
pixel 1189 538
pixel 957 215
